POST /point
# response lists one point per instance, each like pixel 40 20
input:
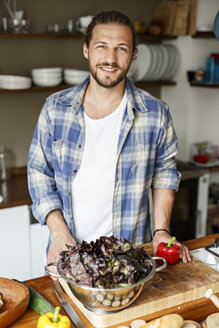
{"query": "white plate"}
pixel 153 63
pixel 132 73
pixel 176 62
pixel 168 70
pixel 142 64
pixel 148 74
pixel 158 63
pixel 164 62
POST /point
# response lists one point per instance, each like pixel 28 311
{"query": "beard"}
pixel 106 82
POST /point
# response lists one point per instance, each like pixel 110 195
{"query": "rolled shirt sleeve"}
pixel 41 182
pixel 165 170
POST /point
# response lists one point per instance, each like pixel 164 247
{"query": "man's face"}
pixel 109 53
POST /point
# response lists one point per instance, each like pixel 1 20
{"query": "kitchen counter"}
pixel 15 190
pixel 190 171
pixel 196 310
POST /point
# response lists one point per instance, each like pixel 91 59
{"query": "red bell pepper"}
pixel 168 251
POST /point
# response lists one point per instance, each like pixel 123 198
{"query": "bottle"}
pixel 5 165
pixel 210 69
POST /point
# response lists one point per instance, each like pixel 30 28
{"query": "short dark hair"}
pixel 107 17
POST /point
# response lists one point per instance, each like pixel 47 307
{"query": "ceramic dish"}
pixel 15 301
pixel 175 62
pixel 142 64
pixel 47 70
pixel 15 82
pixel 164 62
pixel 149 75
pixel 171 60
pixel 159 63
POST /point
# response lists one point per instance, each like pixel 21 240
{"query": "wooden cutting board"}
pixel 164 16
pixel 180 25
pixel 175 285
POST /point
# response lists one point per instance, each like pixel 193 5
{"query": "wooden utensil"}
pixel 16 299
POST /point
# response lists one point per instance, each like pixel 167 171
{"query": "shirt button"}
pixel 80 146
pixel 75 171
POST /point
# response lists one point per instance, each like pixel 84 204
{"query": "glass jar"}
pixel 5 163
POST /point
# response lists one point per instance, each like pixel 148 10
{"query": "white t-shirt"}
pixel 93 186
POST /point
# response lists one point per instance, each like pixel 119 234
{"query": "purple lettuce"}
pixel 106 263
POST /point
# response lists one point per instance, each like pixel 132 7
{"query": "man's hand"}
pixel 57 245
pixel 60 237
pixel 162 236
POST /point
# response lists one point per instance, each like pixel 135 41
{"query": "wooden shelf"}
pixel 204 35
pixel 65 86
pixel 41 35
pixel 154 84
pixel 37 89
pixel 204 84
pixel 6 35
pixel 155 38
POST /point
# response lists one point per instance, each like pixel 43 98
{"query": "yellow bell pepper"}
pixel 53 320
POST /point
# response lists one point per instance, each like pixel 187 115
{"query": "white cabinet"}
pixel 39 236
pixel 14 243
pixel 22 244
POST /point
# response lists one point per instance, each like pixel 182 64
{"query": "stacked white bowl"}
pixel 74 76
pixel 47 77
pixel 15 82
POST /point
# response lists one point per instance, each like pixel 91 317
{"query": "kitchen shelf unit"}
pixel 205 85
pixel 29 35
pixel 65 86
pixel 204 35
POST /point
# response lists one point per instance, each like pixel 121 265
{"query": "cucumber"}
pixel 37 302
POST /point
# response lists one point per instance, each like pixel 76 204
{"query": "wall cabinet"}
pixel 22 245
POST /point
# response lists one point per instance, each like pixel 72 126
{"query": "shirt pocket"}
pixel 140 165
pixel 59 151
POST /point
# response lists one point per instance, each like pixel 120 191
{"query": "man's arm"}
pixel 41 182
pixel 163 200
pixel 60 236
pixel 47 204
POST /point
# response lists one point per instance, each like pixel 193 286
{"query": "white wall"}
pixel 195 110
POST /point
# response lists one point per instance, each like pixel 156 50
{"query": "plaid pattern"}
pixel 145 158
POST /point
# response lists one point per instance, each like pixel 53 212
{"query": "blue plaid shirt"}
pixel 145 158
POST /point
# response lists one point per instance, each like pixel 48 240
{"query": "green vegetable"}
pixel 37 302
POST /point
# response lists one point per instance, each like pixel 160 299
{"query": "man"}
pixel 99 147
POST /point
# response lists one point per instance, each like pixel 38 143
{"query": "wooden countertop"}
pixel 15 190
pixel 196 310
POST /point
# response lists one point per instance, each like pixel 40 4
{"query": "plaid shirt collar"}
pixel 74 98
